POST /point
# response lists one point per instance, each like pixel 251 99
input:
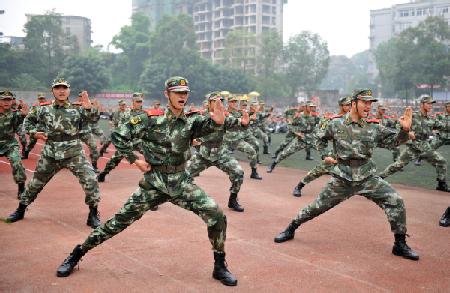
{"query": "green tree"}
pixel 306 60
pixel 134 41
pixel 87 71
pixel 270 53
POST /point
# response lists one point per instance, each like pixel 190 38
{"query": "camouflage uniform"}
pixel 20 132
pixel 390 122
pixel 307 125
pixel 290 136
pixel 166 143
pixel 258 129
pixel 10 124
pixel 62 150
pixel 354 173
pixel 443 136
pixel 212 152
pixel 118 118
pixel 422 127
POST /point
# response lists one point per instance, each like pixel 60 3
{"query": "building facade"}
pixel 389 22
pixel 213 19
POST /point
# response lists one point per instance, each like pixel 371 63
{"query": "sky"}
pixel 344 24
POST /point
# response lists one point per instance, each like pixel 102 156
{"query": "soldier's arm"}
pixel 324 134
pixel 201 126
pixel 123 136
pixel 30 123
pixel 89 115
pixel 389 137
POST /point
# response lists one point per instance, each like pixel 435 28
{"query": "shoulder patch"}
pixel 154 112
pixel 373 120
pixel 135 120
pixel 45 103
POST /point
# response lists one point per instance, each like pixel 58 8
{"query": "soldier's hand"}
pixel 406 120
pixel 40 135
pixel 299 134
pixel 253 117
pixel 330 161
pixel 24 110
pixel 142 165
pixel 411 135
pixel 85 102
pixel 218 114
pixel 245 119
pixel 196 142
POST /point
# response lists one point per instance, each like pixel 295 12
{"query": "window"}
pixel 404 13
pixel 445 10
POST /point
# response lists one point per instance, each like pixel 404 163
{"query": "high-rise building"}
pixel 390 22
pixel 75 26
pixel 213 19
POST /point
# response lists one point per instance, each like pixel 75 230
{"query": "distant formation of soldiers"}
pixel 179 142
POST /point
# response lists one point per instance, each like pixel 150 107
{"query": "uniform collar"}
pixel 170 115
pixel 348 120
pixel 66 105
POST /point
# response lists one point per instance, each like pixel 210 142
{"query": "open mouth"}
pixel 181 102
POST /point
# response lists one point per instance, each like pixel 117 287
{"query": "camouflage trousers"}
pixel 294 146
pixel 373 188
pixel 22 139
pixel 260 134
pixel 157 188
pixel 253 141
pixel 411 153
pixel 89 140
pixel 316 172
pixel 95 130
pixel 113 162
pixel 224 162
pixel 31 143
pixel 47 168
pixel 284 144
pixel 13 156
pixel 246 148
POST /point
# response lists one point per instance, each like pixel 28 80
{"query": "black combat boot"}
pixel 308 155
pixel 25 153
pixel 93 219
pixel 266 150
pixel 234 204
pixel 271 167
pixel 66 268
pixel 402 249
pixel 442 186
pixel 94 165
pixel 445 219
pixel 298 189
pixel 17 215
pixel 221 272
pixel 287 234
pixel 20 189
pixel 101 177
pixel 255 174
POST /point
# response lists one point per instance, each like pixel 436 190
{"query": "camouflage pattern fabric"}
pixel 317 172
pixel 89 140
pixel 373 188
pixel 166 141
pixel 353 144
pixel 294 146
pixel 62 149
pixel 47 167
pixel 213 153
pixel 423 127
pixel 287 140
pixel 10 123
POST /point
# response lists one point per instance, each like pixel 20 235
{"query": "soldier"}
pixel 20 132
pixel 303 127
pixel 289 114
pixel 258 125
pixel 234 139
pixel 118 156
pixel 10 124
pixel 388 121
pixel 212 152
pixel 247 133
pixel 42 101
pixel 86 132
pixel 62 149
pixel 166 144
pixel 122 115
pixel 420 146
pixel 355 172
pixel 323 168
pixel 443 136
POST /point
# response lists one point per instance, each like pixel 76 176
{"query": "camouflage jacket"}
pixel 235 133
pixel 353 145
pixel 212 147
pixel 290 113
pixel 443 121
pixel 423 127
pixel 308 125
pixel 260 120
pixel 166 139
pixel 118 117
pixel 10 124
pixel 62 126
pixel 387 121
pixel 85 126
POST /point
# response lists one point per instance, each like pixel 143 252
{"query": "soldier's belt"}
pixel 353 163
pixel 212 144
pixel 169 169
pixel 62 137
